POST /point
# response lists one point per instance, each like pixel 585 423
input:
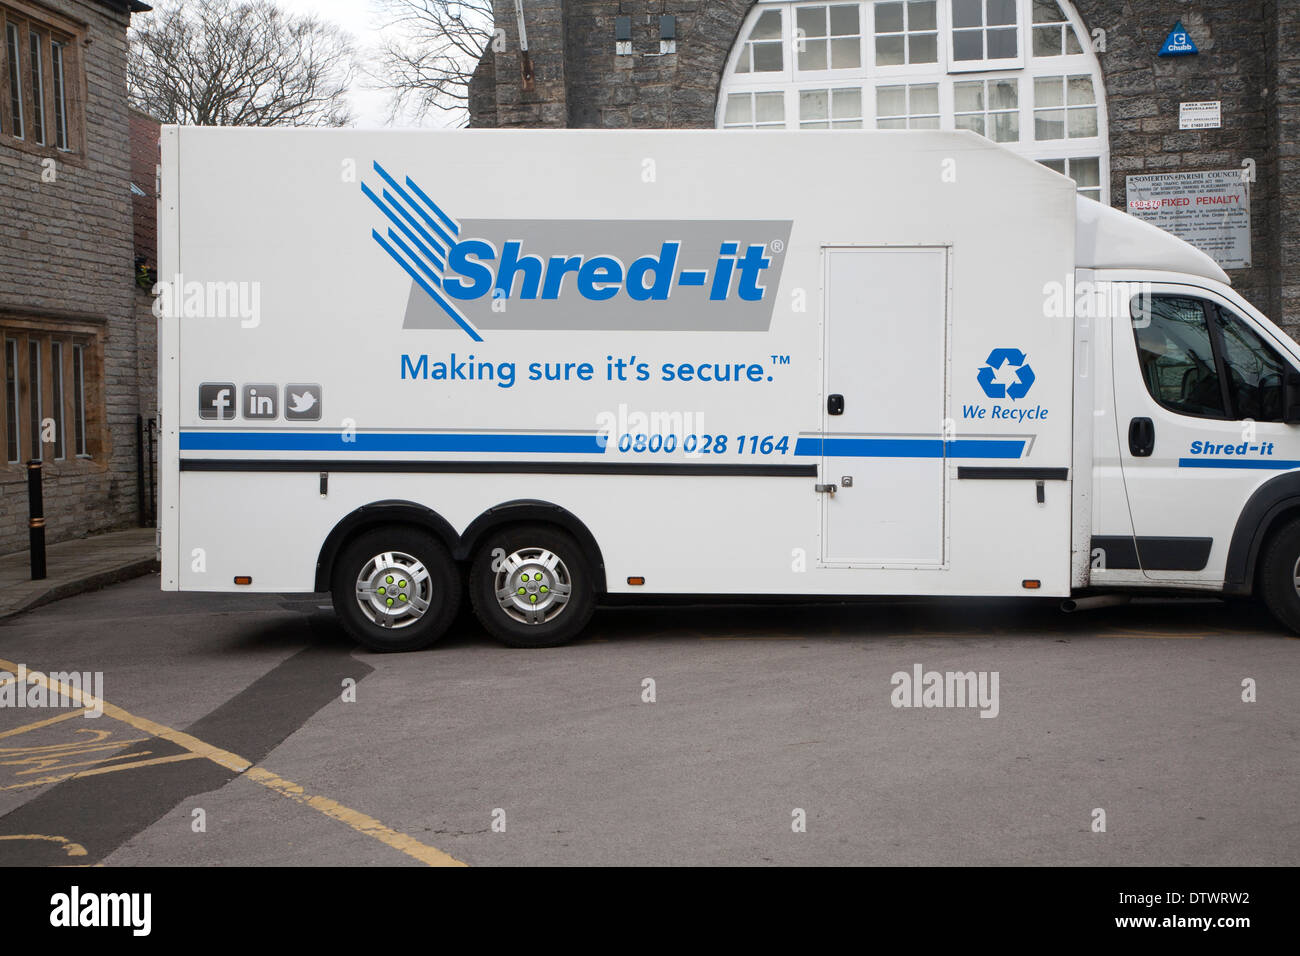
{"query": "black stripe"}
pixel 1119 553
pixel 502 467
pixel 1041 474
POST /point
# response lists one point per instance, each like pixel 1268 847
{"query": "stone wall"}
pixel 66 254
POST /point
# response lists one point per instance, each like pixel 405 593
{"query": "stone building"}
pixel 1079 85
pixel 68 301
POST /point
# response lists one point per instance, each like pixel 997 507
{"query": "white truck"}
pixel 552 368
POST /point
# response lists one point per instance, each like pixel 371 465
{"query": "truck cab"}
pixel 1194 415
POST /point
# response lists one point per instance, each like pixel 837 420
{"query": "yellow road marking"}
pixel 72 849
pixel 96 771
pixel 360 822
pixel 354 819
pixel 41 723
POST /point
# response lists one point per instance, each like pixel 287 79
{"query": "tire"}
pixel 531 565
pixel 376 560
pixel 1278 565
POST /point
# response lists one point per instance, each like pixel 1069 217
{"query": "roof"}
pixel 127 6
pixel 1106 238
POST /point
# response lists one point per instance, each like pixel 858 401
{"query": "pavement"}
pixel 245 729
pixel 73 567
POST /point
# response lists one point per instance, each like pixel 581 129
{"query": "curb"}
pixel 91 582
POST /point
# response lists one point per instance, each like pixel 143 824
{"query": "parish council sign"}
pixel 1211 210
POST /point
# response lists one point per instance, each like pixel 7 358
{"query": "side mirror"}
pixel 1291 397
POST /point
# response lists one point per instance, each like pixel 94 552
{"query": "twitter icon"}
pixel 302 403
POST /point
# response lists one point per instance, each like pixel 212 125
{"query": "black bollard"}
pixel 36 519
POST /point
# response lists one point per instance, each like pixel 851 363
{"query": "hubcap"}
pixel 1295 576
pixel 533 585
pixel 394 589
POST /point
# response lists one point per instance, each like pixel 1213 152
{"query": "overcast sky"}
pixel 359 18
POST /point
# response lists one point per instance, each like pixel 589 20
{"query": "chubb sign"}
pixel 590 274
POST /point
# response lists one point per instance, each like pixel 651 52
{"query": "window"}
pixel 1084 170
pixel 907 107
pixel 1255 372
pixel 906 33
pixel 755 111
pixel 79 399
pixel 830 109
pixel 828 38
pixel 1200 358
pixel 40 107
pixel 1064 107
pixel 56 392
pixel 15 74
pixel 796 64
pixel 60 96
pixel 989 107
pixel 48 383
pixel 1176 357
pixel 34 396
pixel 11 400
pixel 38 89
pixel 1053 33
pixel 984 30
pixel 762 50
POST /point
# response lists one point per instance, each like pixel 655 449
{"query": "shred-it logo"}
pixel 590 274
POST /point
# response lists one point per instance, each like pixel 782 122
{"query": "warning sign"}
pixel 1206 114
pixel 1211 210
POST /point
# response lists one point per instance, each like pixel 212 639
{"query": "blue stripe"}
pixel 452 224
pixel 390 441
pixel 410 202
pixel 432 293
pixel 908 448
pixel 383 207
pixel 1262 463
pixel 414 225
pixel 425 251
pixel 424 266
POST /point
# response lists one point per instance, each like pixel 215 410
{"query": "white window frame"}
pixel 790 82
pixel 830 119
pixel 890 69
pixel 977 66
pixel 828 75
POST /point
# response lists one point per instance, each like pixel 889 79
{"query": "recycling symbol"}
pixel 1001 363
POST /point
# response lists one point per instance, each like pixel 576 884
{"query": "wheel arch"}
pixel 533 510
pixel 1271 504
pixel 393 511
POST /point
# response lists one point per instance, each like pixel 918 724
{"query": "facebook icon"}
pixel 217 400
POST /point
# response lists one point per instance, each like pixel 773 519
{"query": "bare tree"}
pixel 228 63
pixel 429 53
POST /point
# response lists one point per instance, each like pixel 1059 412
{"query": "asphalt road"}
pixel 227 738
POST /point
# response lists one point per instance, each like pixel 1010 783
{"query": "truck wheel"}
pixel 395 588
pixel 531 586
pixel 1279 574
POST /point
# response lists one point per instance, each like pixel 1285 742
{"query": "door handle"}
pixel 1141 437
pixel 834 404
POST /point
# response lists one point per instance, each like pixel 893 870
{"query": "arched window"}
pixel 1021 72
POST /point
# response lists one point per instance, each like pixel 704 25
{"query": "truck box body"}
pixel 904 262
pixel 848 363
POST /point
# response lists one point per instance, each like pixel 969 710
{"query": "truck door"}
pixel 885 375
pixel 1198 397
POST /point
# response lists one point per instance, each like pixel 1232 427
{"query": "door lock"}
pixel 825 490
pixel 834 404
pixel 846 481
